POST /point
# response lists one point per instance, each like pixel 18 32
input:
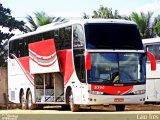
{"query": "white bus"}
pixel 86 62
pixel 153 77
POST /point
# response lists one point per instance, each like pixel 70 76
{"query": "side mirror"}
pixel 152 60
pixel 87 61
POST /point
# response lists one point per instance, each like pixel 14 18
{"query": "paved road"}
pixel 84 114
pixel 67 115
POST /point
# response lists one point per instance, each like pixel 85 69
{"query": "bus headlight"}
pixel 139 92
pixel 95 92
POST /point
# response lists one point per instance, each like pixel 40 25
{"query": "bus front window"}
pixel 117 68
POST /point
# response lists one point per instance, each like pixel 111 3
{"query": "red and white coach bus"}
pixel 86 62
pixel 152 77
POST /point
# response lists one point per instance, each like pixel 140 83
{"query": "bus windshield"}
pixel 117 68
pixel 112 36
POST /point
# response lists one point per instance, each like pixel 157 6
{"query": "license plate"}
pixel 118 99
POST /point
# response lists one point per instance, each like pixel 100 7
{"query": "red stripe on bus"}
pixel 42 57
pixel 43 64
pixel 113 90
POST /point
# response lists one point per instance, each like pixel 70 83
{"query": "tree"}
pixel 7 21
pixel 157 28
pixel 41 18
pixel 85 16
pixel 105 13
pixel 156 25
pixel 144 23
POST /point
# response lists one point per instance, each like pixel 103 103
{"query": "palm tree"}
pixel 157 29
pixel 105 12
pixel 156 25
pixel 144 23
pixel 41 18
pixel 85 16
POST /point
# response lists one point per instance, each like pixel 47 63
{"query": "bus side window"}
pixel 56 39
pixel 10 49
pixel 78 46
pixel 48 35
pixel 68 37
pixel 21 47
pixel 78 36
pixel 63 38
pixel 158 51
pixel 155 50
pixel 15 49
pixel 151 49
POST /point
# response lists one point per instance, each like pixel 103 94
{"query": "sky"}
pixel 75 8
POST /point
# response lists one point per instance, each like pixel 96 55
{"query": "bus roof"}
pixel 57 25
pixel 150 40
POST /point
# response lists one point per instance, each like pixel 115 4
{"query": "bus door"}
pixel 79 60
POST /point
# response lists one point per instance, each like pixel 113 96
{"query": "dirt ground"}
pixel 145 107
pixel 111 108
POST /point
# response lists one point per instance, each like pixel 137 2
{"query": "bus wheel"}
pixel 73 107
pixel 29 100
pixel 120 107
pixel 22 101
pixel 65 107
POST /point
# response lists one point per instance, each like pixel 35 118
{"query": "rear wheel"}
pixel 29 100
pixel 73 107
pixel 23 101
pixel 65 107
pixel 120 107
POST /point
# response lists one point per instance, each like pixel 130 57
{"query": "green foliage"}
pixel 157 28
pixel 41 18
pixel 106 13
pixel 7 21
pixel 144 23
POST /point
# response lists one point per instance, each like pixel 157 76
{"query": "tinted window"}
pixel 79 63
pixel 62 37
pixel 19 47
pixel 78 36
pixel 78 52
pixel 112 36
pixel 155 50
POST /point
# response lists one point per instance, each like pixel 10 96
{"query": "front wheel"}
pixel 120 107
pixel 73 107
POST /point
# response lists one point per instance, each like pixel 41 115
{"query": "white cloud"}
pixel 152 7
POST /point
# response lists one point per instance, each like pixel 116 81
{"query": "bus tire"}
pixel 120 107
pixel 73 107
pixel 29 100
pixel 22 101
pixel 65 107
